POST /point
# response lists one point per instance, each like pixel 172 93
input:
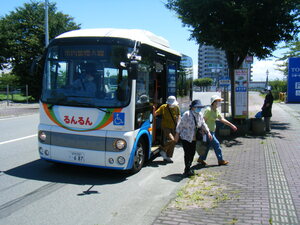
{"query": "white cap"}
pixel 215 98
pixel 172 100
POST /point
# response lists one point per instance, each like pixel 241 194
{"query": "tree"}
pixel 22 39
pixel 203 82
pixel 239 27
pixel 294 51
pixel 8 79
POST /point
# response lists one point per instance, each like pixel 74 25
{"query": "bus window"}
pixel 111 81
pixel 143 84
pixel 123 90
pixel 59 68
pixel 86 76
pixel 143 87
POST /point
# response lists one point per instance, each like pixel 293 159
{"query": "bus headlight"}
pixel 42 136
pixel 120 144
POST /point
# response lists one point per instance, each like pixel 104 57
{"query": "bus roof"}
pixel 143 36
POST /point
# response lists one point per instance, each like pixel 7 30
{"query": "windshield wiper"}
pixel 103 110
pixel 79 96
pixel 62 101
pixel 93 106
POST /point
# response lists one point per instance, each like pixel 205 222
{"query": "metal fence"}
pixel 14 94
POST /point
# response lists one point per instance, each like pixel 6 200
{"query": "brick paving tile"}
pixel 262 178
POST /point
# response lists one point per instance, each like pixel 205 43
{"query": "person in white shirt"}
pixel 186 131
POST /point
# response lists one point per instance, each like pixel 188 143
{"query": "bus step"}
pixel 155 149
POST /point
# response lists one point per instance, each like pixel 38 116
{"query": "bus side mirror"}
pixel 151 118
pixel 134 57
pixel 133 70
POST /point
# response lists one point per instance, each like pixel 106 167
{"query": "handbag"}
pixel 199 135
pixel 259 115
pixel 201 147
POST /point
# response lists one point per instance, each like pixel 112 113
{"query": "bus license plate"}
pixel 77 156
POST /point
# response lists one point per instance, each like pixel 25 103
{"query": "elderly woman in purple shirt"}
pixel 186 130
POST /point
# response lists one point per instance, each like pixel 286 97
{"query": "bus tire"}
pixel 139 157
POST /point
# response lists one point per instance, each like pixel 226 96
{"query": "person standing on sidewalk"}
pixel 186 130
pixel 267 108
pixel 211 114
pixel 170 115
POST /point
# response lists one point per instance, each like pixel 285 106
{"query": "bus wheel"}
pixel 139 157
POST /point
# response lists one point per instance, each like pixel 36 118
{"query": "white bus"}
pixel 99 88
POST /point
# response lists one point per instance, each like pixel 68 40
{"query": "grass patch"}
pixel 16 98
pixel 201 191
pixel 233 221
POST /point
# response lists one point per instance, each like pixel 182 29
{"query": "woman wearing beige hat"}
pixel 211 114
pixel 170 115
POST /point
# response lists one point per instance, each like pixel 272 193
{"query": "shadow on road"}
pixel 67 174
pixel 176 177
pixel 236 138
pixel 276 125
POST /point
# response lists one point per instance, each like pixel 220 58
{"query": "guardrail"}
pixel 10 93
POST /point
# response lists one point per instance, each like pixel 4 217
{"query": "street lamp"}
pixel 267 80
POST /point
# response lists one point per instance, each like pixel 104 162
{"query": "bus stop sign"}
pixel 224 82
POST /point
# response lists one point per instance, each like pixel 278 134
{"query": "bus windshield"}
pixel 86 75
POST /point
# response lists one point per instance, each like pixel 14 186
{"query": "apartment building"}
pixel 212 63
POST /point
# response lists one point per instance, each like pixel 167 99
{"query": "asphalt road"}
pixel 36 192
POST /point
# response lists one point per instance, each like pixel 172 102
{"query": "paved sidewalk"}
pixel 259 186
pixel 17 109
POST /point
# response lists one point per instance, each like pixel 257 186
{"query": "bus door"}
pixel 159 98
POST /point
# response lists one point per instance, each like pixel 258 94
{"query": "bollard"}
pixel 258 126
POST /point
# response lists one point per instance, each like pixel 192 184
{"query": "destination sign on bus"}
pixel 81 53
pixel 86 52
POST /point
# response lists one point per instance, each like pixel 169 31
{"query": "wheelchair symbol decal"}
pixel 119 119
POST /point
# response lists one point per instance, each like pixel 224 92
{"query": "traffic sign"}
pixel 224 82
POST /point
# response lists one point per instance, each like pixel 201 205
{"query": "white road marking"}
pixel 18 139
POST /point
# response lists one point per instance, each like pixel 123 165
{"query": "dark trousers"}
pixel 189 153
pixel 267 122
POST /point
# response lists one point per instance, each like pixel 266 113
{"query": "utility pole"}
pixel 46 24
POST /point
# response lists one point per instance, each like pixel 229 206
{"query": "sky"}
pixel 151 15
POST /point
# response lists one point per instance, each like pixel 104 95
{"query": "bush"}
pixel 277 87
